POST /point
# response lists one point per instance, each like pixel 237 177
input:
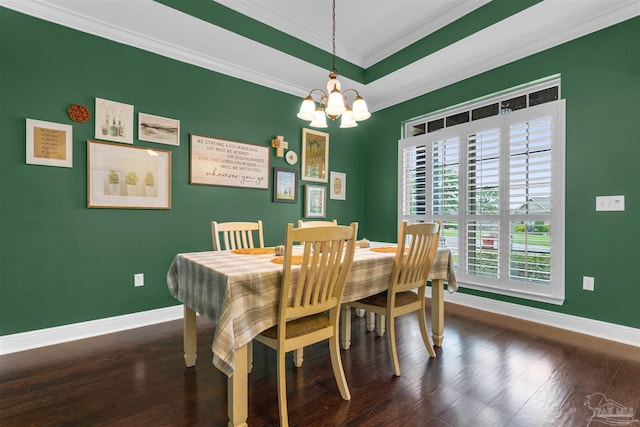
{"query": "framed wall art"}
pixel 158 129
pixel 315 155
pixel 49 144
pixel 216 161
pixel 114 121
pixel 315 202
pixel 285 185
pixel 338 185
pixel 120 176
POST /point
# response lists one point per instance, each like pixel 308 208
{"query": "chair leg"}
pixel 338 371
pixel 391 336
pixel 371 320
pixel 282 389
pixel 380 322
pixel 249 356
pixel 298 357
pixel 422 320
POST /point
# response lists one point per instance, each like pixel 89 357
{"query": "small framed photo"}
pixel 315 202
pixel 285 185
pixel 114 121
pixel 158 129
pixel 49 144
pixel 315 155
pixel 338 186
pixel 119 176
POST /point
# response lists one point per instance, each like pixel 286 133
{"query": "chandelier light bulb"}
pixel 307 109
pixel 335 105
pixel 360 110
pixel 320 120
pixel 347 121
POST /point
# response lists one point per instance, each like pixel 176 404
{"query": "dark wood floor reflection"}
pixel 491 371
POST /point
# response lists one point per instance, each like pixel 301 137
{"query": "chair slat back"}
pixel 417 247
pixel 236 235
pixel 326 259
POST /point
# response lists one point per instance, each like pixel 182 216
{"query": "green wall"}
pixel 63 263
pixel 601 85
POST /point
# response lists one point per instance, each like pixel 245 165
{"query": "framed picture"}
pixel 338 186
pixel 216 161
pixel 314 201
pixel 49 144
pixel 315 155
pixel 158 129
pixel 285 185
pixel 114 121
pixel 119 176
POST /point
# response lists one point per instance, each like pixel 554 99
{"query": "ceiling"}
pixel 367 31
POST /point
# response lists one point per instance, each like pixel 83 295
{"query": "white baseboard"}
pixel 582 325
pixel 44 337
pixel 59 334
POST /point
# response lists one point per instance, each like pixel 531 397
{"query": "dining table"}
pixel 238 291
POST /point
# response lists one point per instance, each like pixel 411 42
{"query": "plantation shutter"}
pixel 497 185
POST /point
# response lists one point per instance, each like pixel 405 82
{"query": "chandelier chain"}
pixel 333 40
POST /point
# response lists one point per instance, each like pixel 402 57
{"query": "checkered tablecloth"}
pixel 240 293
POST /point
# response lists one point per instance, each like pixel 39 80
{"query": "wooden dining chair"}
pixel 236 235
pixel 417 247
pixel 312 285
pixel 306 224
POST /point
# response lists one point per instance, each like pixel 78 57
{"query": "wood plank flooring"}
pixel 491 371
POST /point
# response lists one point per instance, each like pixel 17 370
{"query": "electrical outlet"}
pixel 587 283
pixel 138 279
pixel 610 203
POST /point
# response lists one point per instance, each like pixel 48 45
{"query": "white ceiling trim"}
pixel 494 46
pixel 287 23
pixel 547 24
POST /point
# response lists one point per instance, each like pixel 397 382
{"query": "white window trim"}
pixel 555 292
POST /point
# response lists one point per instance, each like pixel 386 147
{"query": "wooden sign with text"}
pixel 227 163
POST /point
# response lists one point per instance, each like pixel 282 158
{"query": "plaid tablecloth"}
pixel 240 293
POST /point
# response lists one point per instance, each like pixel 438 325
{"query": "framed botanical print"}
pixel 120 176
pixel 315 201
pixel 315 155
pixel 114 121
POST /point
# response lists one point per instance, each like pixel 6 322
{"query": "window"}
pixel 497 184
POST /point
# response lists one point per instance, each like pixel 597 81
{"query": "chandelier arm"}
pixel 323 96
pixel 344 95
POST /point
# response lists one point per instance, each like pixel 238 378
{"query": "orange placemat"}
pixel 295 260
pixel 254 251
pixel 387 249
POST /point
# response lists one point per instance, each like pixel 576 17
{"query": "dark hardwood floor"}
pixel 491 371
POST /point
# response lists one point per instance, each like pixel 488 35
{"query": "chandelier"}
pixel 333 103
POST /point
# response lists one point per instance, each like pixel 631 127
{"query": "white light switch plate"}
pixel 609 203
pixel 587 283
pixel 138 279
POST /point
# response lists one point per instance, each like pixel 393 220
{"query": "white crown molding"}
pixel 493 47
pixel 278 18
pixel 76 331
pixel 557 21
pixel 419 31
pixel 582 325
